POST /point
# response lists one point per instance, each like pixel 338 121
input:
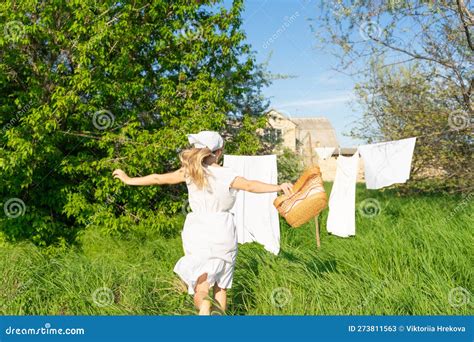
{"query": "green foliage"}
pixel 402 102
pixel 89 86
pixel 406 260
pixel 290 166
pixel 415 63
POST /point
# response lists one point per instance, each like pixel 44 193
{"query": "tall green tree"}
pixel 414 64
pixel 88 86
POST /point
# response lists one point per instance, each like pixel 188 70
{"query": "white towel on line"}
pixel 341 217
pixel 387 163
pixel 256 218
pixel 324 152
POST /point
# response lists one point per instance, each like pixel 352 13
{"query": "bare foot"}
pixel 204 310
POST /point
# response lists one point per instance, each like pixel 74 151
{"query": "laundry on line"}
pixel 256 219
pixel 341 217
pixel 385 164
pixel 324 152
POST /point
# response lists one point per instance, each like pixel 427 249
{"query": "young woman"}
pixel 209 234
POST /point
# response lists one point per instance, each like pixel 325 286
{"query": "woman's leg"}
pixel 201 296
pixel 221 297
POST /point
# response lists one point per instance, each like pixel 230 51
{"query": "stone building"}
pixel 298 133
pixel 302 135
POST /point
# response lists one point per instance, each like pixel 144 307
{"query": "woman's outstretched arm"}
pixel 240 183
pixel 154 179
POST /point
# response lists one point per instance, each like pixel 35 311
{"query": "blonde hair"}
pixel 193 160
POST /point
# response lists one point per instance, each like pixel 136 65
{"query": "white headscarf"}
pixel 211 140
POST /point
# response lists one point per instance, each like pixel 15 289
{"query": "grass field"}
pixel 414 258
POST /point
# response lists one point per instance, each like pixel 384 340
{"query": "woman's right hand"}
pixel 120 175
pixel 287 188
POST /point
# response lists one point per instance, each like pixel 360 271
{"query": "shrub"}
pixel 87 87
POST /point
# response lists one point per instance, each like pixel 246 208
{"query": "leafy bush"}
pixel 87 87
pixel 290 166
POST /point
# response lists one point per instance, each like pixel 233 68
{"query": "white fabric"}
pixel 387 163
pixel 209 139
pixel 341 218
pixel 324 152
pixel 209 236
pixel 255 216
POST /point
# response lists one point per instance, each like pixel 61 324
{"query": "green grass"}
pixel 403 261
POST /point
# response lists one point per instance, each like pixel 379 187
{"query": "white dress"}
pixel 209 234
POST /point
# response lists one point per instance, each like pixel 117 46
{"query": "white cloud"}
pixel 329 79
pixel 316 102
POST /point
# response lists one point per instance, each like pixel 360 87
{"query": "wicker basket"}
pixel 307 200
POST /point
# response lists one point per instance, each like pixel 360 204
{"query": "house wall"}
pixel 291 133
pixel 287 128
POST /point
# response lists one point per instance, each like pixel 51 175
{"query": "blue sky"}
pixel 317 90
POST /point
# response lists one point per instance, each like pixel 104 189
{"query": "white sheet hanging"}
pixel 324 152
pixel 387 163
pixel 256 218
pixel 341 217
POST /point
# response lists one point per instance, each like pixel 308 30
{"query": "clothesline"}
pixel 418 136
pixel 426 135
